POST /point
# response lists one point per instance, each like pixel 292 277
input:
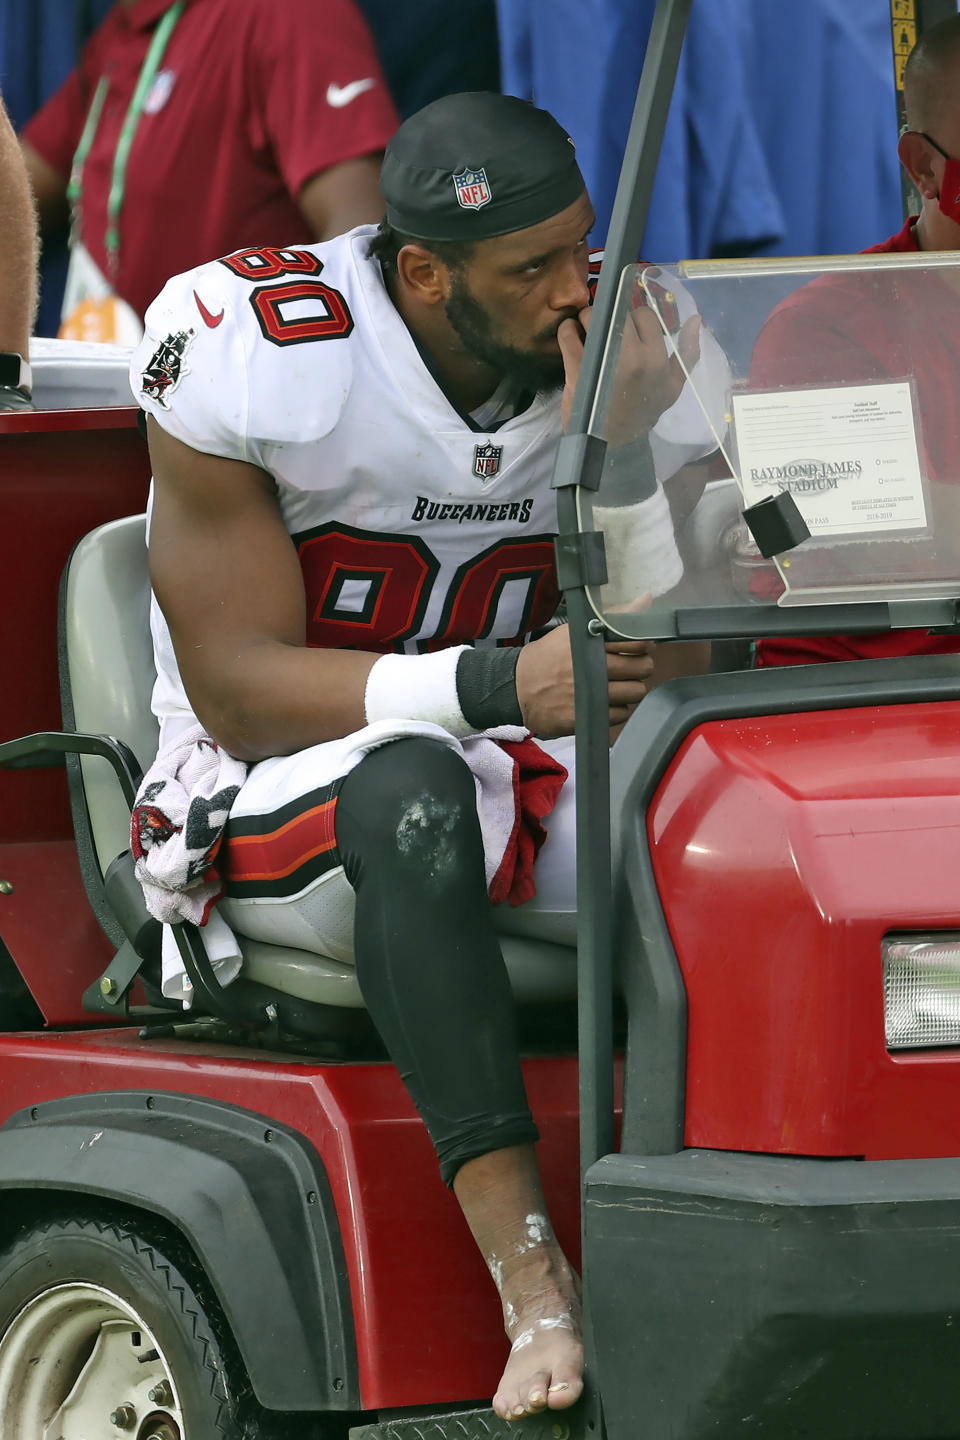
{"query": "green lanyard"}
pixel 155 54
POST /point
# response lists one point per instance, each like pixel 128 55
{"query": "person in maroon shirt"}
pixel 838 327
pixel 262 125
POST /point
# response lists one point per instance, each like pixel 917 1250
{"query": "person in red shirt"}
pixel 853 328
pixel 191 128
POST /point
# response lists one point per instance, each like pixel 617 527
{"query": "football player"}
pixel 351 545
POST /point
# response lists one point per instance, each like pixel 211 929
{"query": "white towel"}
pixel 177 826
pixel 176 830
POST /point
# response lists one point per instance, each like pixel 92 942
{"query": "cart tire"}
pixel 101 1333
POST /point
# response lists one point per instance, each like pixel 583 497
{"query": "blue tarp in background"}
pixel 39 43
pixel 781 136
pixel 782 133
pixel 38 48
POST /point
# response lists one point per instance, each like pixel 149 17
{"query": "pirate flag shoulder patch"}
pixel 165 368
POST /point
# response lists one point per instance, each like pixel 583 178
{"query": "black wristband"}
pixel 629 475
pixel 15 371
pixel 487 687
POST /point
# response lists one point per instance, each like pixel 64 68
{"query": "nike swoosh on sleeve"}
pixel 212 320
pixel 339 95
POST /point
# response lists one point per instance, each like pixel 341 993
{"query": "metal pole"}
pixel 632 202
pixel 594 884
pixel 594 870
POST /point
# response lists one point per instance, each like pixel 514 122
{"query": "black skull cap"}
pixel 475 165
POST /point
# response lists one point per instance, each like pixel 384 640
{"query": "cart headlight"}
pixel 921 989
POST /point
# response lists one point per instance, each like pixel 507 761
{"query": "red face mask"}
pixel 950 185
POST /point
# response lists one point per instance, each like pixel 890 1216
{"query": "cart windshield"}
pixel 828 389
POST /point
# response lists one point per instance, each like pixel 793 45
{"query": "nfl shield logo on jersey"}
pixel 472 188
pixel 486 460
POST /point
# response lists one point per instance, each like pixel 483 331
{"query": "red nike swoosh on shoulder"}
pixel 212 320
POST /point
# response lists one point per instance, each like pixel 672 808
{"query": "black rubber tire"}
pixel 136 1265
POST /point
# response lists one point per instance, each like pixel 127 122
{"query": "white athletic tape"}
pixel 417 687
pixel 641 550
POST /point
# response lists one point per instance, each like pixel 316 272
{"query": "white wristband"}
pixel 417 687
pixel 641 549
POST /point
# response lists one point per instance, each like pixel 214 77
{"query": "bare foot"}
pixel 501 1196
pixel 541 1307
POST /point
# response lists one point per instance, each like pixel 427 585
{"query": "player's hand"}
pixel 545 681
pixel 650 375
pixel 570 338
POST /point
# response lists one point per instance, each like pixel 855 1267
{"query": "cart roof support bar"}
pixel 592 747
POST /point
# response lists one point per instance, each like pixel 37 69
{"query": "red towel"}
pixel 537 781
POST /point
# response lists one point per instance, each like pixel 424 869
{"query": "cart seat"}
pixel 108 675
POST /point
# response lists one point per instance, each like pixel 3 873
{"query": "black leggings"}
pixel 427 956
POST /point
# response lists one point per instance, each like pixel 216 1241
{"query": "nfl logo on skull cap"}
pixel 486 460
pixel 473 190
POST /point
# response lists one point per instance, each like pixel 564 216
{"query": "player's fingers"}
pixel 570 340
pixel 629 647
pixel 625 692
pixel 629 667
pixel 628 689
pixel 687 351
pixel 620 714
pixel 648 327
pixel 688 341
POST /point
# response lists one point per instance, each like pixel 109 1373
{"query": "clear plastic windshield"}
pixel 828 387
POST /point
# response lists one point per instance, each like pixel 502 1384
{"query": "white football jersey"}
pixel 413 529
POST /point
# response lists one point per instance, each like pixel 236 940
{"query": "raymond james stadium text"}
pixel 801 477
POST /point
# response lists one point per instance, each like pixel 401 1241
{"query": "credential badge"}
pixel 165 368
pixel 159 92
pixel 486 460
pixel 472 189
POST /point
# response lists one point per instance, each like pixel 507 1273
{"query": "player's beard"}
pixel 526 369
